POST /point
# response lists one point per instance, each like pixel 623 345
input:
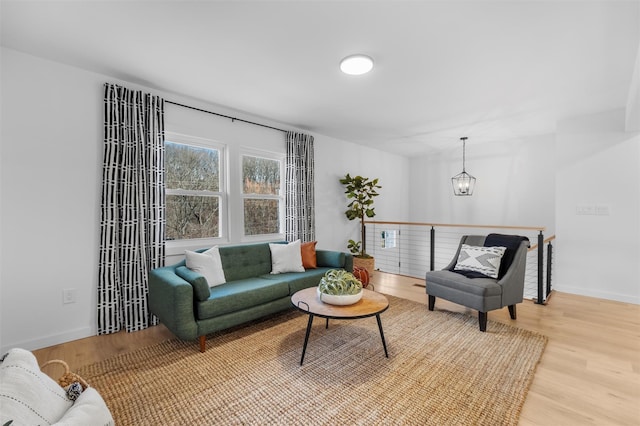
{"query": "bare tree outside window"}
pixel 261 191
pixel 192 217
pixel 192 191
pixel 261 217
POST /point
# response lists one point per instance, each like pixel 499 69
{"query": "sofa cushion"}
pixel 300 280
pixel 456 283
pixel 27 395
pixel 286 258
pixel 482 294
pixel 245 261
pixel 208 264
pixel 240 294
pixel 309 259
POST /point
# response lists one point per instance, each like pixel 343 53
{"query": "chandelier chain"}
pixel 464 143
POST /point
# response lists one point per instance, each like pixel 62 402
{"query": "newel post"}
pixel 540 268
pixel 549 266
pixel 432 254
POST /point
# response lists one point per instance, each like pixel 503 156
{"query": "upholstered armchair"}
pixel 486 273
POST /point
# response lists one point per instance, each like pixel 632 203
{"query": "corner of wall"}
pixel 632 118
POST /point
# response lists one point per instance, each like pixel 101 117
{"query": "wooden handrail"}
pixel 458 225
pixel 546 241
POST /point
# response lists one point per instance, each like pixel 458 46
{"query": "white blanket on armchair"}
pixel 29 397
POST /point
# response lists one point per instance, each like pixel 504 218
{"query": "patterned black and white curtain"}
pixel 299 192
pixel 133 211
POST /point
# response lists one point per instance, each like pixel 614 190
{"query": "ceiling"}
pixel 489 70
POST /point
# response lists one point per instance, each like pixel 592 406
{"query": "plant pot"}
pixel 342 300
pixel 367 263
pixel 361 274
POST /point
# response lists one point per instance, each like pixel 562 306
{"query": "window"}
pixel 261 193
pixel 194 193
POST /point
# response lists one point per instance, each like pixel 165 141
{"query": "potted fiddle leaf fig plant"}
pixel 360 193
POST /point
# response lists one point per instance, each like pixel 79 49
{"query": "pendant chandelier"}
pixel 463 183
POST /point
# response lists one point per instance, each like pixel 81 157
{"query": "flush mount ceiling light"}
pixel 463 183
pixel 356 64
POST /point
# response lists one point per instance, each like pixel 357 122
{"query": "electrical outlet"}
pixel 69 295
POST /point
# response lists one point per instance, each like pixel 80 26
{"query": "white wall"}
pixel 541 181
pixel 599 168
pixel 51 149
pixel 334 159
pixel 51 159
pixel 515 184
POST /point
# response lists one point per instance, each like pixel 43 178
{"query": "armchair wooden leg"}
pixel 432 302
pixel 512 311
pixel 482 320
pixel 203 343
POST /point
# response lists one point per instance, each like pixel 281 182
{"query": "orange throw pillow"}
pixel 308 252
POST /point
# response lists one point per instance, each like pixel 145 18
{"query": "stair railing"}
pixel 413 248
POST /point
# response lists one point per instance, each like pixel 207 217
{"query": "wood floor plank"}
pixel 588 375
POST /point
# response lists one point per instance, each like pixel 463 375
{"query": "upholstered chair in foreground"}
pixel 486 273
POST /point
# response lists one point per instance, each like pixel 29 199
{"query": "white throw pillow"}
pixel 27 395
pixel 208 264
pixel 485 260
pixel 286 258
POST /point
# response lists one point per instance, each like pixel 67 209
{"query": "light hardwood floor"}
pixel 589 373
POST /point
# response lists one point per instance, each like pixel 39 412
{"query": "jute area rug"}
pixel 441 370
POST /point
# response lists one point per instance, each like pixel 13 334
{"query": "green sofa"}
pixel 184 303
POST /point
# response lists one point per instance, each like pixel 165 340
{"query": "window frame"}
pixel 222 193
pixel 269 155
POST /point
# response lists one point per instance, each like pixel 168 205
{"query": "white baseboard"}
pixel 46 341
pixel 626 298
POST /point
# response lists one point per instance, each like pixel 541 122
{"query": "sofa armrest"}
pixel 197 280
pixel 171 300
pixel 88 409
pixel 334 259
pixel 348 262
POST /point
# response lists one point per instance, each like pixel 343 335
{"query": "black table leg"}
pixel 306 337
pixel 327 325
pixel 384 344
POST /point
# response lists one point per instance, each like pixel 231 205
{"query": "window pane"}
pixel 192 168
pixel 261 217
pixel 260 175
pixel 192 217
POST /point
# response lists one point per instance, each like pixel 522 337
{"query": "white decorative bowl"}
pixel 346 299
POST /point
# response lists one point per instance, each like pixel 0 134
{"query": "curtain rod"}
pixel 225 116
